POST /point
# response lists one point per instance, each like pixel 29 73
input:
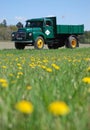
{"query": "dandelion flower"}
pixel 32 65
pixel 4 67
pixel 86 80
pixel 2 80
pixel 45 60
pixel 20 73
pixel 32 59
pixel 87 59
pixel 18 64
pixel 49 70
pixel 55 66
pixel 88 69
pixel 20 68
pixel 3 83
pixel 11 75
pixel 29 87
pixel 58 108
pixel 43 67
pixel 16 59
pixel 25 107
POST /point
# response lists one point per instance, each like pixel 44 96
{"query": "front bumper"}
pixel 18 41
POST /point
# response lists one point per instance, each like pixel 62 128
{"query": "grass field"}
pixel 45 90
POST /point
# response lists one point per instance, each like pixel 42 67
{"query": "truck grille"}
pixel 21 36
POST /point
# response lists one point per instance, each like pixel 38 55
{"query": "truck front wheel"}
pixel 19 45
pixel 72 42
pixel 39 43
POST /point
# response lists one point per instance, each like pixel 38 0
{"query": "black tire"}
pixel 72 42
pixel 39 43
pixel 19 46
pixel 66 44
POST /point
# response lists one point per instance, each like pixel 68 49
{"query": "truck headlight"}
pixel 13 35
pixel 30 34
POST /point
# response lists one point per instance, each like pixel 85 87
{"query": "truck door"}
pixel 48 29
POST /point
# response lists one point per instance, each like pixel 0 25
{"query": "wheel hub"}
pixel 40 43
pixel 74 43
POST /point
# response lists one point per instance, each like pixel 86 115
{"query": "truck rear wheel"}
pixel 72 42
pixel 19 45
pixel 39 43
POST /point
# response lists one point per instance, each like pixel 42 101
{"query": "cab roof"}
pixel 36 19
pixel 40 19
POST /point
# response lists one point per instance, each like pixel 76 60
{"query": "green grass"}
pixel 23 68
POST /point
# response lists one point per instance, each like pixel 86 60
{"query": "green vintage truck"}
pixel 40 31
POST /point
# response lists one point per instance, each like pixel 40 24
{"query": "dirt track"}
pixel 10 45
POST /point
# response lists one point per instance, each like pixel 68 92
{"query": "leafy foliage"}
pixel 5 32
pixel 85 38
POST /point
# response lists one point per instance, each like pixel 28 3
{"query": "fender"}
pixel 37 34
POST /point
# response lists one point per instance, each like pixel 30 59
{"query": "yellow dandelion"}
pixel 3 83
pixel 20 73
pixel 11 75
pixel 55 66
pixel 58 108
pixel 32 59
pixel 4 67
pixel 69 60
pixel 38 62
pixel 43 67
pixel 86 80
pixel 25 107
pixel 88 69
pixel 20 68
pixel 18 77
pixel 87 59
pixel 18 64
pixel 2 80
pixel 29 87
pixel 16 59
pixel 48 70
pixel 45 61
pixel 32 65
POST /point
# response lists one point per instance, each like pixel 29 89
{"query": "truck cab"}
pixel 40 31
pixel 46 26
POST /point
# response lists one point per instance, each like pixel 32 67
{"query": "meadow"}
pixel 45 90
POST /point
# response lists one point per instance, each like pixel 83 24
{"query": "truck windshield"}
pixel 34 24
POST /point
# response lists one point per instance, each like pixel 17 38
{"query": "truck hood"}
pixel 29 30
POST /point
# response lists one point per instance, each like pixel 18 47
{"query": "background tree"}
pixel 5 32
pixel 3 23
